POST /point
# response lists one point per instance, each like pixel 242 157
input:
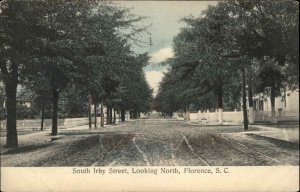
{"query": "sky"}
pixel 163 17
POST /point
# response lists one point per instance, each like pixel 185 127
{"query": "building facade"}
pixel 286 105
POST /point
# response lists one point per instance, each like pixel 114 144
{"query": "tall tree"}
pixel 270 33
pixel 16 35
pixel 202 48
pixel 62 35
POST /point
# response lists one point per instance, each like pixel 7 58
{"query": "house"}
pixel 286 105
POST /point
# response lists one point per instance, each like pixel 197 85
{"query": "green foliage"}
pixel 82 47
pixel 268 76
pixel 135 93
pixel 259 36
pixel 270 29
pixel 201 64
pixel 73 103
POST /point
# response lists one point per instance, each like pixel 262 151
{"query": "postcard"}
pixel 149 95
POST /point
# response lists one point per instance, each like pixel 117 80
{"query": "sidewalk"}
pixel 214 123
pixel 44 137
pixel 285 134
pixel 31 139
pixel 290 134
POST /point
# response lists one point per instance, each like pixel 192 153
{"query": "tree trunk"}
pixel 122 115
pixel 114 116
pixel 220 104
pixel 43 113
pixel 90 109
pixel 43 100
pixel 187 113
pixel 244 100
pixel 273 95
pixel 102 115
pixel 11 126
pixel 55 111
pixel 250 99
pixel 95 112
pixel 110 115
pixel 107 115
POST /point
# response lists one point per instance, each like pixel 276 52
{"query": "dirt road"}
pixel 155 142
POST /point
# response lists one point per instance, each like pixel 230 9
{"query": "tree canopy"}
pixel 82 47
pixel 257 40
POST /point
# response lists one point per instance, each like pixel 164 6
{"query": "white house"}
pixel 286 105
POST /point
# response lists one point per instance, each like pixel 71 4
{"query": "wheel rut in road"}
pixel 155 151
pixel 141 152
pixel 215 147
pixel 125 153
pixel 261 154
pixel 86 151
pixel 192 150
pixel 175 151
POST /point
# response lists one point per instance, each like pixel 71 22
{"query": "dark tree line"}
pixel 56 48
pixel 233 50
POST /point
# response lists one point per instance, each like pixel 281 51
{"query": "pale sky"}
pixel 165 19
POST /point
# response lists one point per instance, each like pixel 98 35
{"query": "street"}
pixel 151 142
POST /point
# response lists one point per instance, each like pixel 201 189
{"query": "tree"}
pixel 270 33
pixel 134 92
pixel 270 76
pixel 15 36
pixel 235 36
pixel 105 71
pixel 201 51
pixel 58 37
pixel 74 103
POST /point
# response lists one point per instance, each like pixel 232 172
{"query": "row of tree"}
pixel 233 48
pixel 78 48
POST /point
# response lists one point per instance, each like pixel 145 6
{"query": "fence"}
pixel 62 123
pixel 36 123
pixel 237 116
pixel 230 116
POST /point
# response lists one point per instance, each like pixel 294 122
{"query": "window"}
pixel 261 105
pixel 255 105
